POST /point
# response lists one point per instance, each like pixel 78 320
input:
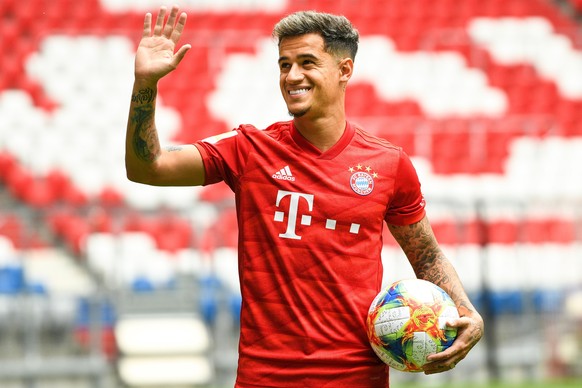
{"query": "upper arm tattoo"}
pixel 174 148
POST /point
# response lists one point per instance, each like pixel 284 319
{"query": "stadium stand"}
pixel 485 95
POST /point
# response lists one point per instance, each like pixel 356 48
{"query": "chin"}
pixel 298 113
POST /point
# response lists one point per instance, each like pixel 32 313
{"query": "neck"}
pixel 324 132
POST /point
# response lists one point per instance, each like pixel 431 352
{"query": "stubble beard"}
pixel 299 113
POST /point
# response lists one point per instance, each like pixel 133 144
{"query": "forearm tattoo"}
pixel 144 96
pixel 428 260
pixel 430 263
pixel 145 137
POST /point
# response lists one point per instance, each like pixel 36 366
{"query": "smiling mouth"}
pixel 298 91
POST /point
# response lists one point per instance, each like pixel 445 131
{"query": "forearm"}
pixel 430 263
pixel 436 268
pixel 142 146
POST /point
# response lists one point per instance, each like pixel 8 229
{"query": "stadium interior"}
pixel 107 283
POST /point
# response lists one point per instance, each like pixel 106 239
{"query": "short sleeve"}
pixel 407 205
pixel 223 156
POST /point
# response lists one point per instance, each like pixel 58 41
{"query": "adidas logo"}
pixel 284 174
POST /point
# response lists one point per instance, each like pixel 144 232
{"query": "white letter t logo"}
pixel 293 209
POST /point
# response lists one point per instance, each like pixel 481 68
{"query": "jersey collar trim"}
pixel 331 153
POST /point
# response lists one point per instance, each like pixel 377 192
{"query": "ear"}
pixel 346 68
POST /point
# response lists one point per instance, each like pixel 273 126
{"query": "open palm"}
pixel 155 55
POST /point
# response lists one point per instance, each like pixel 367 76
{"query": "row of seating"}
pixel 447 150
pixel 524 278
pixel 209 229
pixel 132 260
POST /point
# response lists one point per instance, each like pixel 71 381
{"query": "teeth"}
pixel 298 91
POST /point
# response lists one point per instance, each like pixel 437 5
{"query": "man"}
pixel 312 195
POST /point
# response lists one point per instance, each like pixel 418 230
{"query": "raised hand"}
pixel 156 54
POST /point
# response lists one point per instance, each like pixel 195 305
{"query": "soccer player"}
pixel 312 195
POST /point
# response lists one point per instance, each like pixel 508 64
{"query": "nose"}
pixel 294 74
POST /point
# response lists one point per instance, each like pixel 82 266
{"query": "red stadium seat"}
pixel 535 230
pixel 446 232
pixel 173 233
pixel 562 231
pixel 100 221
pixel 502 231
pixel 12 227
pixel 7 163
pixel 75 197
pixel 18 180
pixel 39 194
pixel 110 197
pixel 59 182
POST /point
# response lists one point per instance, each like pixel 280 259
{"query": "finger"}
pixel 169 27
pixel 430 369
pixel 441 364
pixel 160 21
pixel 177 32
pixel 147 25
pixel 442 357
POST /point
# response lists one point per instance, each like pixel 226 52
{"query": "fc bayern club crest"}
pixel 362 182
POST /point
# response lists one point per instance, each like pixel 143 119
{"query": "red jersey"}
pixel 310 237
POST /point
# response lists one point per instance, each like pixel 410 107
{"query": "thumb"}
pixel 457 322
pixel 180 54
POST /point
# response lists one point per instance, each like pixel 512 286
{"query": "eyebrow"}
pixel 300 56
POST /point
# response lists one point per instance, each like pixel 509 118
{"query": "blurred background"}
pixel 106 283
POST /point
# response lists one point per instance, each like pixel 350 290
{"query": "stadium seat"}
pixel 110 197
pixel 396 266
pixel 39 194
pixel 468 261
pixel 159 371
pixel 93 314
pixel 12 279
pixel 59 274
pixel 225 266
pixel 503 231
pixel 12 229
pixel 163 350
pixel 142 284
pixel 446 231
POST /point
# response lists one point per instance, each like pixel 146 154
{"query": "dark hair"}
pixel 339 35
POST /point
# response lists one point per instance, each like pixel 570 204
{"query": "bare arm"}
pixel 145 160
pixel 429 263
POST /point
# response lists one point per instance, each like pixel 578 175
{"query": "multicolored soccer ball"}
pixel 407 322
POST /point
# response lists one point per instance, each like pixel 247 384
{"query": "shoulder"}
pixel 274 130
pixel 275 127
pixel 369 140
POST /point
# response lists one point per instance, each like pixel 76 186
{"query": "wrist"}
pixel 466 311
pixel 145 82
